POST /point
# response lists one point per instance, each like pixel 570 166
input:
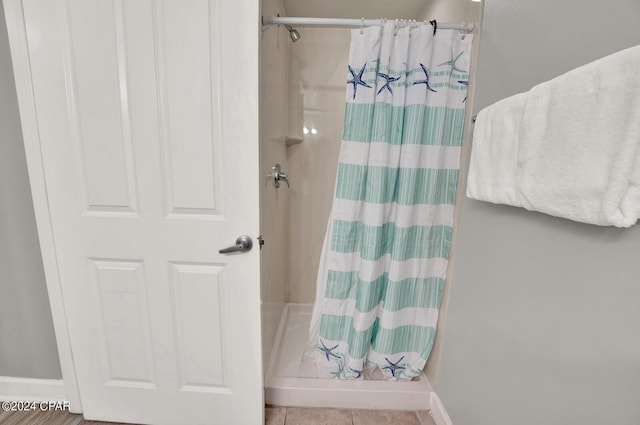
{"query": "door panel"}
pixel 197 290
pixel 188 78
pixel 147 177
pixel 123 328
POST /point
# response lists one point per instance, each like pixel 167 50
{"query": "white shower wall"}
pixel 318 63
pixel 274 212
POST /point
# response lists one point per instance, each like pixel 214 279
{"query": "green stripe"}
pixel 402 243
pixel 412 124
pixel 385 341
pixel 395 294
pixel 340 328
pixel 449 74
pixel 406 186
pixel 404 339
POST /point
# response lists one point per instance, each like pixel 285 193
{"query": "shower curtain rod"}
pixel 341 22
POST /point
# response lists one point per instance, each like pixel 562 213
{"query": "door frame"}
pixel 29 122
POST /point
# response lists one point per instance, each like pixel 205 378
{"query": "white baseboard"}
pixel 31 389
pixel 438 412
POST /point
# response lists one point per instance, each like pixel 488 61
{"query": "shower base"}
pixel 291 378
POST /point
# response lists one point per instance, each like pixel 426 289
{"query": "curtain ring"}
pixel 361 25
pixel 434 23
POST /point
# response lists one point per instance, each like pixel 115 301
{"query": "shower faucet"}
pixel 278 176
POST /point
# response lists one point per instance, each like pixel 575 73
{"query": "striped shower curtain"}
pixel 382 270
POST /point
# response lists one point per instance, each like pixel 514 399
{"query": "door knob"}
pixel 243 244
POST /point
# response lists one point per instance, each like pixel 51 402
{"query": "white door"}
pixel 147 126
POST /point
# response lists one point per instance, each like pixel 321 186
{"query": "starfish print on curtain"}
pixel 356 79
pixel 452 63
pixel 426 79
pixel 388 79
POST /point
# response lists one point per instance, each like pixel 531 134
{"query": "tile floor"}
pixel 273 416
pixel 36 418
pixel 47 418
pixel 306 416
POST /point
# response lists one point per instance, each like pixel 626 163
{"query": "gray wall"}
pixel 27 341
pixel 544 315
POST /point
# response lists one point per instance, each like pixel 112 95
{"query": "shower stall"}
pixel 302 83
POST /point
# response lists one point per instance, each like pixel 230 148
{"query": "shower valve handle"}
pixel 278 175
pixel 243 244
pixel 283 177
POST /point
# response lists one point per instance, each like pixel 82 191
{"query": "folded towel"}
pixel 569 147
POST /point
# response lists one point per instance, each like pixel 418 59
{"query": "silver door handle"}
pixel 243 244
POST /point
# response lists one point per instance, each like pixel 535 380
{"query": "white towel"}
pixel 569 147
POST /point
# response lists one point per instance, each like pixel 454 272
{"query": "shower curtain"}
pixel 383 265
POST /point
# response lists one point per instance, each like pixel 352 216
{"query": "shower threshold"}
pixel 291 378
